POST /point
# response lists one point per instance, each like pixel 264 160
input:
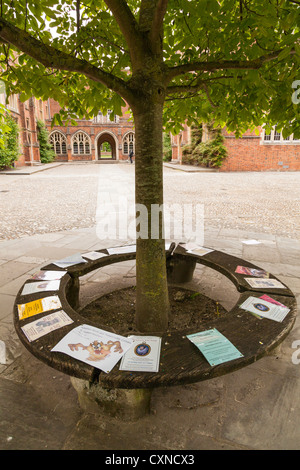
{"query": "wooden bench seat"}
pixel 180 361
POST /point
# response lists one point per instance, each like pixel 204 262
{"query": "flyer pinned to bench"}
pixel 215 347
pixel 265 308
pixel 96 347
pixel 144 354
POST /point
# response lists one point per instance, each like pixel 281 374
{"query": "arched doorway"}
pixel 106 147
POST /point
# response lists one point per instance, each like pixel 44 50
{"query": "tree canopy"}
pixel 233 61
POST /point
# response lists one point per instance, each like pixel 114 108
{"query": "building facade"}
pixel 103 139
pixel 98 139
pixel 252 152
pixel 26 114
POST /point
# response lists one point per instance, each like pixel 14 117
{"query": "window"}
pixel 128 143
pixel 59 143
pixel 13 102
pixel 105 118
pixel 275 136
pixel 81 144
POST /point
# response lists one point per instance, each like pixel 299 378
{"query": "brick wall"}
pixel 251 153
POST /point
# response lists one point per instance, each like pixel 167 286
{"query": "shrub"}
pixel 167 148
pixel 209 154
pixel 9 151
pixel 47 153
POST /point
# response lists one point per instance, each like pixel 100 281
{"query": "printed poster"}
pixel 269 299
pixel 48 275
pixel 264 283
pixel 38 306
pixel 44 325
pixel 265 308
pixel 42 286
pixel 214 346
pixel 252 271
pixel 143 355
pixel 96 347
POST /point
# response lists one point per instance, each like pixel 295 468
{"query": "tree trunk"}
pixel 152 302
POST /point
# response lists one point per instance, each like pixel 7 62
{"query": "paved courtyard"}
pixel 65 198
pixel 50 214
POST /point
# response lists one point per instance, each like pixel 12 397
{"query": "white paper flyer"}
pixel 70 261
pixel 144 354
pixel 41 327
pixel 96 347
pixel 265 309
pixel 118 250
pixel 194 249
pixel 93 255
pixel 42 286
pixel 48 275
pixel 264 283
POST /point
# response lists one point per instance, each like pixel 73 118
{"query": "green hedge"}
pixel 208 154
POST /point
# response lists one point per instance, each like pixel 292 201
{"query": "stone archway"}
pixel 103 152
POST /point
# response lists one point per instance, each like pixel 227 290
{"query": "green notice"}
pixel 215 347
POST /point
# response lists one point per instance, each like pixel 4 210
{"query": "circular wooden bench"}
pixel 180 361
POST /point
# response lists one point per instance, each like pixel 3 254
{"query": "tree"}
pixel 233 62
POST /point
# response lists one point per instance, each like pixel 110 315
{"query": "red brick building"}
pixel 251 152
pixel 96 139
pixel 26 115
pixel 102 139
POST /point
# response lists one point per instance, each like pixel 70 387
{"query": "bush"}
pixel 209 154
pixel 47 153
pixel 9 152
pixel 167 148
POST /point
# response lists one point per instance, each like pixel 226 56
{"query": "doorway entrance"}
pixel 106 147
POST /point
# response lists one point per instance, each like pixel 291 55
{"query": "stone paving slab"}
pixel 254 408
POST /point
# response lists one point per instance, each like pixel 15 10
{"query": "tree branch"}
pixel 158 19
pixel 211 66
pixel 53 58
pixel 151 19
pixel 129 29
pixel 193 88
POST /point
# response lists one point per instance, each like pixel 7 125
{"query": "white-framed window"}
pixel 128 143
pixel 58 142
pixel 105 118
pixel 13 102
pixel 274 136
pixel 81 144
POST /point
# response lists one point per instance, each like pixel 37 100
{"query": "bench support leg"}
pixel 180 270
pixel 118 403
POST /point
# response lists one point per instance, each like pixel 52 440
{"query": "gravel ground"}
pixel 65 198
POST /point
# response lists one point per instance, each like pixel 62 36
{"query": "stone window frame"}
pixel 128 143
pixel 58 140
pixel 81 143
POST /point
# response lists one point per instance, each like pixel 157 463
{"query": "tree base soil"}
pixel 188 309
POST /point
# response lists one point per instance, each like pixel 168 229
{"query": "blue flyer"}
pixel 214 346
